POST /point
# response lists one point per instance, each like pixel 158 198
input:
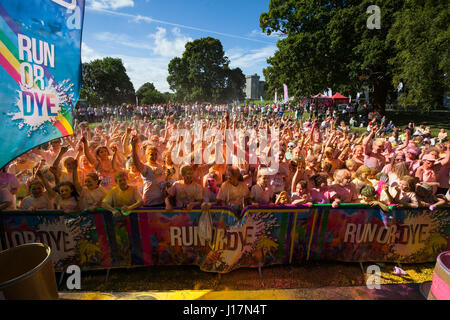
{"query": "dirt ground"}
pixel 310 275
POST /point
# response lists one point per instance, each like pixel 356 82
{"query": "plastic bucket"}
pixel 27 273
pixel 440 286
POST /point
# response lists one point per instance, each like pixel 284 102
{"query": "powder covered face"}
pixel 343 179
pixel 211 183
pixel 368 199
pixel 122 182
pixel 65 192
pixel 364 175
pixel 103 154
pixel 359 151
pixel 90 183
pixel 152 155
pixel 299 189
pixel 351 166
pixel 404 186
pixel 69 164
pixel 36 190
pixel 283 198
pixel 263 181
pixel 378 147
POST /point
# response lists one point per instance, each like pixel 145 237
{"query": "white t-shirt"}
pixel 153 178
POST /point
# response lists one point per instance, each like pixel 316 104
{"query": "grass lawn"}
pixel 436 119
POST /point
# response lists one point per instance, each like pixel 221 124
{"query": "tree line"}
pixel 201 75
pixel 328 44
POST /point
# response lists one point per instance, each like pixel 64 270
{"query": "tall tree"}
pixel 421 34
pixel 234 85
pixel 328 44
pixel 146 86
pixel 107 81
pixel 202 73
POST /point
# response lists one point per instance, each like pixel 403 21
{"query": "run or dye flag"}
pixel 40 73
pixel 275 99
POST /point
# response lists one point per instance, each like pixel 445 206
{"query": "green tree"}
pixel 202 73
pixel 106 81
pixel 152 97
pixel 328 44
pixel 88 89
pixel 234 85
pixel 169 97
pixel 421 35
pixel 146 86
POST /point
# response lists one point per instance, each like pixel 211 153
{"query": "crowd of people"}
pixel 129 159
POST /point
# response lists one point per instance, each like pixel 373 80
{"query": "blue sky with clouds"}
pixel 147 34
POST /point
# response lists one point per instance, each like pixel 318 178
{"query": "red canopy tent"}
pixel 322 100
pixel 339 98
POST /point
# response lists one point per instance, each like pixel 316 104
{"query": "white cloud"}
pixel 165 47
pixel 250 59
pixel 142 70
pixel 110 4
pixel 162 46
pixel 88 54
pixel 122 40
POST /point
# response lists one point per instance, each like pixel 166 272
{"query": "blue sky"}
pixel 147 34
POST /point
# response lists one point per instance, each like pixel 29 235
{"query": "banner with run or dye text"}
pixel 40 58
pixel 263 236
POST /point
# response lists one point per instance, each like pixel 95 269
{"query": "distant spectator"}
pixel 442 136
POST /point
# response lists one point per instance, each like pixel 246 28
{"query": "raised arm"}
pixel 126 142
pixel 62 151
pixel 296 177
pixel 115 162
pixel 137 162
pixel 87 152
pixel 75 180
pixel 405 144
pixel 366 142
pixel 49 189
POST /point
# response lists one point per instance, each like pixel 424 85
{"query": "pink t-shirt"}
pixel 186 193
pixel 374 162
pixel 346 194
pixel 443 176
pixel 319 197
pixel 304 197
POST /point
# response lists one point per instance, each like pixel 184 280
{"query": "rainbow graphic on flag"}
pixel 40 53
